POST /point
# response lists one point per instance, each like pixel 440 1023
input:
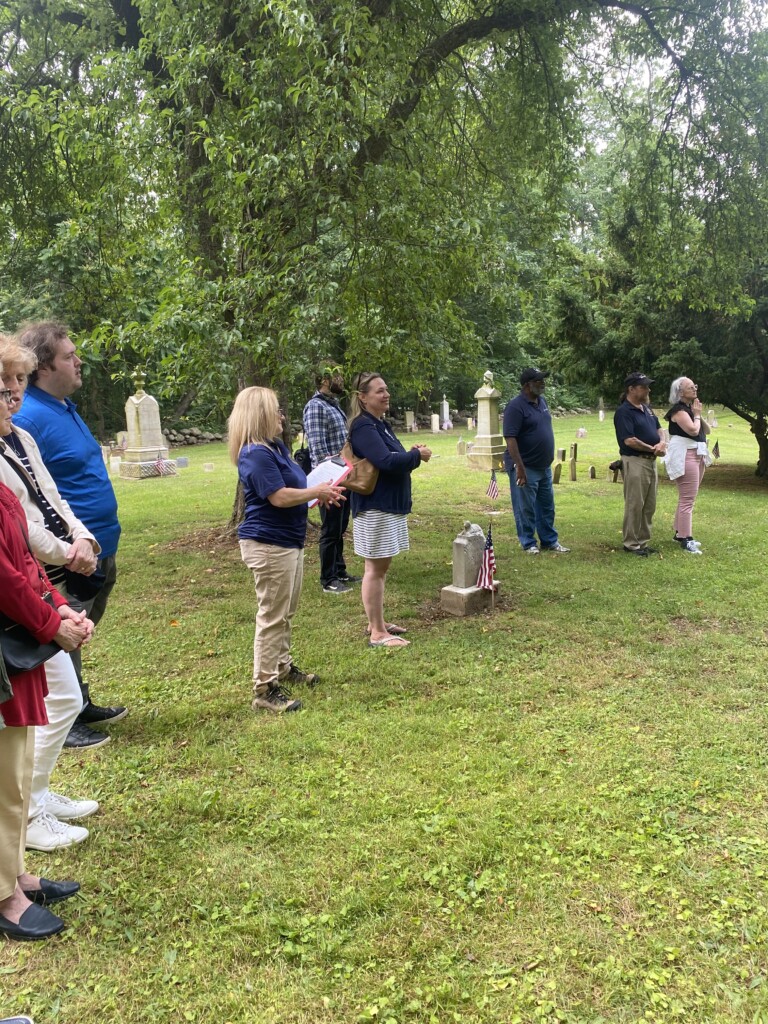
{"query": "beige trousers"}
pixel 641 482
pixel 17 746
pixel 277 574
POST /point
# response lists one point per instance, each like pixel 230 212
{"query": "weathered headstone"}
pixel 489 447
pixel 561 454
pixel 556 472
pixel 463 596
pixel 601 415
pixel 409 420
pixel 146 451
pixel 445 412
pixel 435 421
pixel 592 473
pixel 461 447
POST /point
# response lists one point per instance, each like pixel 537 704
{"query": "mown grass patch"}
pixel 553 813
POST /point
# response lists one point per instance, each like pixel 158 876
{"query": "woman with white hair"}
pixel 687 456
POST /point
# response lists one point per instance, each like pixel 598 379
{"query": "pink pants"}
pixel 687 488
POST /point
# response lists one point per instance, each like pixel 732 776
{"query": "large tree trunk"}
pixel 760 430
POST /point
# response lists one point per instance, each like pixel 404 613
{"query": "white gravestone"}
pixel 463 596
pixel 409 420
pixel 488 447
pixel 146 453
pixel 435 421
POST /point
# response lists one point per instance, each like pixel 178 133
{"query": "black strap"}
pixel 53 525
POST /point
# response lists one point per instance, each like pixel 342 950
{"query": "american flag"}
pixel 161 467
pixel 493 488
pixel 716 450
pixel 488 565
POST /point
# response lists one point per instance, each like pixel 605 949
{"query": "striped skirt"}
pixel 379 534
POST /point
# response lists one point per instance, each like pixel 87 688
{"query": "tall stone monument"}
pixel 146 453
pixel 488 447
pixel 463 596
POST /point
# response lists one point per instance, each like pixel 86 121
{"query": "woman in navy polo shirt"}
pixel 272 538
pixel 379 523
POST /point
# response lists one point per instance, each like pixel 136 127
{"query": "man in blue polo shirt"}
pixel 528 460
pixel 74 459
pixel 641 442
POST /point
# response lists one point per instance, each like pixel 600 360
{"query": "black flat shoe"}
pixel 35 923
pixel 51 892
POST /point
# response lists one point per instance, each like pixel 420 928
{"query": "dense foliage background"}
pixel 229 193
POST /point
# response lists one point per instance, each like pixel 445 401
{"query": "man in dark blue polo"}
pixel 530 452
pixel 641 442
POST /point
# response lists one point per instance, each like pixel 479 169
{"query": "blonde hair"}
pixel 12 353
pixel 253 419
pixel 361 385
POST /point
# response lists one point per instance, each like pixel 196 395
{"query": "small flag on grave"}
pixel 488 565
pixel 493 487
pixel 716 450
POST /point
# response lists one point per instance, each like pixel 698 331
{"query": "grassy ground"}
pixel 556 813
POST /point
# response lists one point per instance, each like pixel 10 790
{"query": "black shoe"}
pixel 92 714
pixel 35 923
pixel 336 587
pixel 651 551
pixel 276 700
pixel 80 737
pixel 295 675
pixel 52 892
pixel 640 552
pixel 351 579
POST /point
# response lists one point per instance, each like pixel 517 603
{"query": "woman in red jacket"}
pixel 23 914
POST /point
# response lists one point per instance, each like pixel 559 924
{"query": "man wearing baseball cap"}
pixel 641 442
pixel 528 460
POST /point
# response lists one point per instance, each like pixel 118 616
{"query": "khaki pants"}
pixel 16 752
pixel 640 484
pixel 277 574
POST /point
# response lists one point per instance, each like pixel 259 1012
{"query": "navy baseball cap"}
pixel 637 379
pixel 531 374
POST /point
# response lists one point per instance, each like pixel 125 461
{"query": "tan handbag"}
pixel 364 475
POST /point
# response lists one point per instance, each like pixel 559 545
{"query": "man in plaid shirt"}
pixel 325 428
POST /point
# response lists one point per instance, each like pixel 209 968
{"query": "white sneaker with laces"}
pixel 46 833
pixel 64 809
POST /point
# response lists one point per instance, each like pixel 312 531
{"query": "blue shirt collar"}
pixel 42 396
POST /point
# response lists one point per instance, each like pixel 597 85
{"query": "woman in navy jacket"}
pixel 379 524
pixel 272 537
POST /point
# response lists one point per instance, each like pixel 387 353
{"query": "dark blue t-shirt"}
pixel 641 423
pixel 530 423
pixel 264 469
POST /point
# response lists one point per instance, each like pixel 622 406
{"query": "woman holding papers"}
pixel 379 526
pixel 272 539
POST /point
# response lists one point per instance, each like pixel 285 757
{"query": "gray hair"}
pixel 674 391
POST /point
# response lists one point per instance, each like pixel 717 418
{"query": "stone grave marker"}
pixel 463 596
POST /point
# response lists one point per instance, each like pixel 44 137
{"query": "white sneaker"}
pixel 531 551
pixel 46 833
pixel 64 809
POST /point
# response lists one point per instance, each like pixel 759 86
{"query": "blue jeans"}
pixel 534 507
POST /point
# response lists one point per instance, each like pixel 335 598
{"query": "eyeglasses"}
pixel 5 395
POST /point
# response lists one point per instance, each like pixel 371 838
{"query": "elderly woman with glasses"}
pixel 23 587
pixel 687 456
pixel 60 541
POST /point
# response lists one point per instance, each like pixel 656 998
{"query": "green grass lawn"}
pixel 554 813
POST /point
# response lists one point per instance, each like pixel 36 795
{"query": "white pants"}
pixel 63 704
